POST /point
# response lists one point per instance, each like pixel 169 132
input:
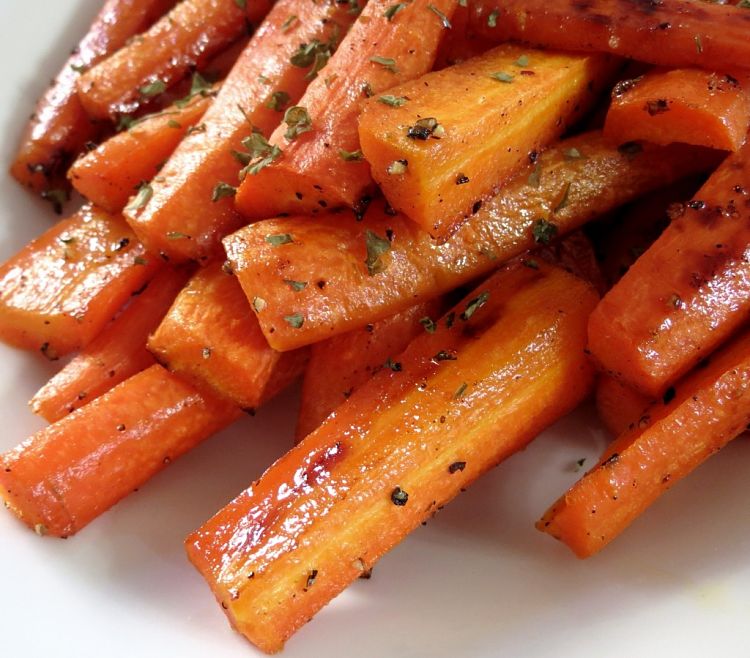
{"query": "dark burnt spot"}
pixel 657 106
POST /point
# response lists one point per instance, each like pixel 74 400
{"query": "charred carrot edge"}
pixel 59 127
pixel 682 105
pixel 671 33
pixel 620 407
pixel 147 66
pixel 364 271
pixel 687 293
pixel 474 392
pixel 339 365
pixel 211 337
pixel 322 166
pixel 437 163
pixel 191 206
pixel 59 291
pixel 116 354
pixel 672 438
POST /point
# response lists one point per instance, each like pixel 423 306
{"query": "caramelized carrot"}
pixel 683 105
pixel 322 167
pixel 59 127
pixel 620 407
pixel 687 293
pixel 341 364
pixel 672 33
pixel 182 40
pixel 570 184
pixel 189 210
pixel 211 338
pixel 460 43
pixel 116 354
pixel 576 255
pixel 59 291
pixel 67 474
pixel 437 158
pixel 472 393
pixel 709 409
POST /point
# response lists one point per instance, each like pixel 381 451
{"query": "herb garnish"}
pixel 177 235
pixel 444 355
pixel 278 101
pixel 376 247
pixel 392 365
pixel 543 231
pixel 223 190
pixel 145 192
pixel 298 121
pixel 297 286
pixel 199 86
pixel 351 156
pixel 386 62
pixel 399 497
pixel 295 321
pixel 289 22
pixel 392 101
pixel 279 238
pixel 423 128
pixel 430 326
pixel 460 391
pixel 492 18
pixel 258 154
pixel 564 201
pixel 397 167
pixel 259 304
pixel 474 305
pixel 153 88
pixel 393 10
pixel 443 18
pixel 522 61
pixel 502 76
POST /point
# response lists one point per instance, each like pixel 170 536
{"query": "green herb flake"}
pixel 297 286
pixel 459 392
pixel 298 121
pixel 154 88
pixel 174 124
pixel 399 497
pixel 140 260
pixel 315 54
pixel 351 156
pixel 395 366
pixel 397 167
pixel 444 355
pixel 199 86
pixel 573 154
pixel 177 235
pixel 222 191
pixel 474 305
pixel 502 76
pixel 376 248
pixel 443 18
pixel 543 231
pixel 386 62
pixel 392 10
pixel 57 197
pixel 259 304
pixel 194 130
pixel 392 101
pixel 66 239
pixel 278 101
pixel 278 239
pixel 492 18
pixel 259 153
pixel 289 23
pixel 430 326
pixel 79 68
pixel 145 192
pixel 295 321
pixel 522 61
pixel 564 200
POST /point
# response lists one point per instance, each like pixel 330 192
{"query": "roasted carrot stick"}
pixel 460 43
pixel 682 105
pixel 67 474
pixel 116 354
pixel 183 39
pixel 110 174
pixel 59 291
pixel 323 166
pixel 575 254
pixel 687 293
pixel 191 207
pixel 357 275
pixel 707 410
pixel 341 364
pixel 437 157
pixel 466 397
pixel 672 33
pixel 619 406
pixel 59 127
pixel 211 338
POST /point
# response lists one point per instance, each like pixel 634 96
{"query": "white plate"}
pixel 479 581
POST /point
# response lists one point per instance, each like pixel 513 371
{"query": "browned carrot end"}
pixel 619 406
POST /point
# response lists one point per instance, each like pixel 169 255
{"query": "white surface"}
pixel 479 581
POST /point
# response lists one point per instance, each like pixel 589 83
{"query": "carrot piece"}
pixel 110 174
pixel 709 409
pixel 67 474
pixel 331 253
pixel 473 393
pixel 323 167
pixel 183 39
pixel 576 255
pixel 620 407
pixel 185 217
pixel 687 293
pixel 59 291
pixel 460 43
pixel 341 364
pixel 683 105
pixel 437 158
pixel 59 127
pixel 672 33
pixel 211 338
pixel 116 354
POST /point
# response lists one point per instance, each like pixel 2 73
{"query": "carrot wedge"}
pixel 189 210
pixel 467 396
pixel 59 291
pixel 183 39
pixel 437 158
pixel 59 127
pixel 211 337
pixel 69 473
pixel 672 33
pixel 619 406
pixel 323 167
pixel 710 408
pixel 116 354
pixel 687 293
pixel 341 364
pixel 347 289
pixel 683 105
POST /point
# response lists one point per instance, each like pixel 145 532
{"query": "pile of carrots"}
pixel 455 221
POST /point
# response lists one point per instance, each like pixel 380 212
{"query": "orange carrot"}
pixel 673 33
pixel 576 255
pixel 183 39
pixel 466 397
pixel 687 293
pixel 570 184
pixel 211 338
pixel 709 409
pixel 116 354
pixel 437 158
pixel 460 43
pixel 67 474
pixel 683 105
pixel 620 407
pixel 190 210
pixel 322 167
pixel 59 291
pixel 59 127
pixel 341 364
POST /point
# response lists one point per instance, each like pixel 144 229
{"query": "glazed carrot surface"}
pixel 619 406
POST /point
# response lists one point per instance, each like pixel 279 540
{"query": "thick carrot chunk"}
pixel 620 407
